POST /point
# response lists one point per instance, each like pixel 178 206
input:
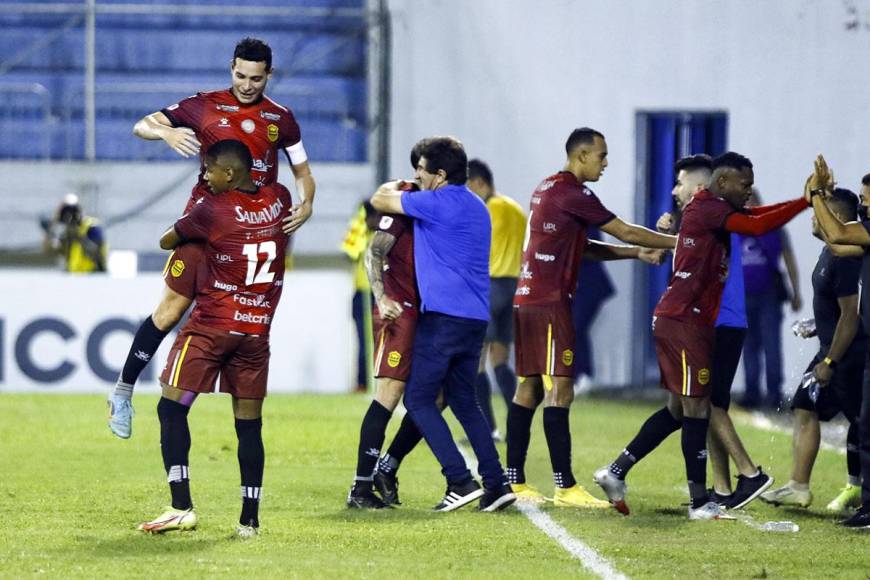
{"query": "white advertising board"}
pixel 62 333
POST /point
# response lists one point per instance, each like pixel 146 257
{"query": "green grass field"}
pixel 71 495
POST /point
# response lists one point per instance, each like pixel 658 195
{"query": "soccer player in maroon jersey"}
pixel 228 331
pixel 390 267
pixel 683 326
pixel 561 210
pixel 244 113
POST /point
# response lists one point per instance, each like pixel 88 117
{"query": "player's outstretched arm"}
pixel 388 198
pixel 305 188
pixel 375 257
pixel 836 232
pixel 638 235
pixel 603 252
pixel 156 126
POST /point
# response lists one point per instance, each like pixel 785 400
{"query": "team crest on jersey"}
pixel 704 376
pixel 248 126
pixel 394 358
pixel 567 357
pixel 272 132
pixel 228 108
pixel 270 116
pixel 177 268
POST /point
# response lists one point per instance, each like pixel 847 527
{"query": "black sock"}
pixel 519 433
pixel 483 393
pixel 558 432
pixel 371 439
pixel 853 455
pixel 403 443
pixel 252 460
pixel 655 429
pixel 507 382
pixel 145 344
pixel 694 443
pixel 175 447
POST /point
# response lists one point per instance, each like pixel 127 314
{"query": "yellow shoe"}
pixel 171 519
pixel 578 497
pixel 850 497
pixel 527 493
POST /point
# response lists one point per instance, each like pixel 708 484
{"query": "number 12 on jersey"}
pixel 253 252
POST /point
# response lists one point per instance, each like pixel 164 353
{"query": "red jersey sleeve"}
pixel 390 224
pixel 195 224
pixel 586 207
pixel 766 221
pixel 289 130
pixel 187 112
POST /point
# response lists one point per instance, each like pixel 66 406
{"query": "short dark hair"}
pixel 447 154
pixel 417 151
pixel 693 162
pixel 865 180
pixel 581 136
pixel 846 200
pixel 732 160
pixel 254 50
pixel 477 169
pixel 233 149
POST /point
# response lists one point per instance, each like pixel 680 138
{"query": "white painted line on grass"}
pixel 579 550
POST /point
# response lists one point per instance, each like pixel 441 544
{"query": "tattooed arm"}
pixel 376 256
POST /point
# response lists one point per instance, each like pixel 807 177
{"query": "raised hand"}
pixel 665 223
pixel 182 140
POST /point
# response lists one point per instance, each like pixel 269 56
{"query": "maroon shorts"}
pixel 200 353
pixel 394 343
pixel 685 353
pixel 544 340
pixel 184 269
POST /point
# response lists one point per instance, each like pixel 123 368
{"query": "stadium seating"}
pixel 145 63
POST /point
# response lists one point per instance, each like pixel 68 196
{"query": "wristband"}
pixel 832 364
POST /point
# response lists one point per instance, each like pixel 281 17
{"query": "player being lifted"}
pixel 228 331
pixel 683 326
pixel 561 210
pixel 244 113
pixel 390 267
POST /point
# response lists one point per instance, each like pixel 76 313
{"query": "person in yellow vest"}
pixel 506 251
pixel 78 238
pixel 355 243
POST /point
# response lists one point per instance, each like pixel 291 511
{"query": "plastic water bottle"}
pixel 805 328
pixel 780 527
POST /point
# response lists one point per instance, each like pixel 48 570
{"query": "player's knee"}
pixel 527 395
pixel 696 408
pixel 389 393
pixel 170 310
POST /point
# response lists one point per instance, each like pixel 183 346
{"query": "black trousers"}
pixel 726 357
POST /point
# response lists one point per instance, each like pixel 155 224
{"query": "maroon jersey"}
pixel 245 252
pixel 399 280
pixel 560 212
pixel 700 262
pixel 265 128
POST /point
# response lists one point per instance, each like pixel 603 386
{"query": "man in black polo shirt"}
pixel 841 339
pixel 855 233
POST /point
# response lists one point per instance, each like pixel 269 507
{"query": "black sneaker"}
pixel 387 485
pixel 497 499
pixel 364 498
pixel 859 520
pixel 749 488
pixel 457 496
pixel 725 501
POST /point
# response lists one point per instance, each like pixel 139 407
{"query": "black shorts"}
pixel 726 357
pixel 501 318
pixel 843 394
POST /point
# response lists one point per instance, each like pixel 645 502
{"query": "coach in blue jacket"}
pixel 451 258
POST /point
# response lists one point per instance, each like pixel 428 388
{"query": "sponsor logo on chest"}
pixel 261 216
pixel 248 126
pixel 270 116
pixel 228 108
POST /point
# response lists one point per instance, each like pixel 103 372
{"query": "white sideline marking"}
pixel 588 556
pixel 760 421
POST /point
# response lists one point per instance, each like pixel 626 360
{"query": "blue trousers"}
pixel 446 355
pixel 763 338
